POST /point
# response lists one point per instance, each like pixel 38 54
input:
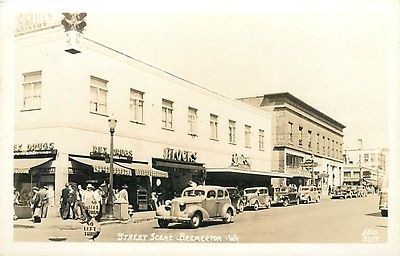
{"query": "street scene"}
pixel 330 221
pixel 205 128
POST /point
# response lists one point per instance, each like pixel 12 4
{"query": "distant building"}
pixel 303 139
pixel 373 159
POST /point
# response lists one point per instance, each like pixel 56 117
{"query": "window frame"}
pixel 137 102
pixel 192 121
pixel 247 136
pixel 167 112
pixel 98 89
pixel 213 127
pixel 261 139
pixel 32 89
pixel 232 131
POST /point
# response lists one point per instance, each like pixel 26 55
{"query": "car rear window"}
pixel 250 191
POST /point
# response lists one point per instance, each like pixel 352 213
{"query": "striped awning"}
pixel 143 170
pixel 100 166
pixel 23 165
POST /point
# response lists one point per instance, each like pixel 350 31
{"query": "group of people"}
pixel 74 200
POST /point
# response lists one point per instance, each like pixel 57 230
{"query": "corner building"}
pixel 306 144
pixel 167 128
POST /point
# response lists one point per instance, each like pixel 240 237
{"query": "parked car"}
pixel 257 197
pixel 383 203
pixel 197 204
pixel 308 194
pixel 362 192
pixel 284 196
pixel 236 198
pixel 354 191
pixel 342 192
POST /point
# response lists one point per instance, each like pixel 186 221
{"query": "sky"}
pixel 336 59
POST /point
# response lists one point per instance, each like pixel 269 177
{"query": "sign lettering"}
pixel 180 155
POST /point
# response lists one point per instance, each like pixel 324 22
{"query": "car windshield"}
pixel 232 191
pixel 250 190
pixel 304 189
pixel 193 193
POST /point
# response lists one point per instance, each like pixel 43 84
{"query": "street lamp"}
pixel 112 123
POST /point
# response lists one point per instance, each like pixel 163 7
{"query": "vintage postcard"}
pixel 202 128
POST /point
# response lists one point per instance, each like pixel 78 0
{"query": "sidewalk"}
pixel 52 222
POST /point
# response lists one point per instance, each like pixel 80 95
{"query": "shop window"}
pixel 290 132
pixel 136 104
pixel 167 110
pixel 32 90
pixel 213 127
pixel 247 136
pixel 232 131
pixel 192 121
pixel 98 95
pixel 261 139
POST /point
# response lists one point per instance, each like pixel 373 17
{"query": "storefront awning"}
pixel 250 172
pixel 143 170
pixel 100 166
pixel 162 163
pixel 23 165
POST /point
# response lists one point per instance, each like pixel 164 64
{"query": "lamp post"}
pixel 112 124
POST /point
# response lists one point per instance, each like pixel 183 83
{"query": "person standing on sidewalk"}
pixel 71 201
pixel 64 202
pixel 44 201
pixel 35 204
pixel 80 198
pixel 103 192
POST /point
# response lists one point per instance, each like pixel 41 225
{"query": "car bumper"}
pixel 173 218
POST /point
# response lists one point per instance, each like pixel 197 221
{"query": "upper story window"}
pixel 329 147
pixel 167 110
pixel 366 158
pixel 290 132
pixel 98 95
pixel 333 148
pixel 372 157
pixel 32 90
pixel 232 131
pixel 337 149
pixel 323 144
pixel 247 136
pixel 317 142
pixel 300 136
pixel 261 139
pixel 136 104
pixel 309 139
pixel 213 127
pixel 192 121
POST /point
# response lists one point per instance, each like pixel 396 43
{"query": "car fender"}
pixel 161 211
pixel 225 208
pixel 190 210
pixel 252 200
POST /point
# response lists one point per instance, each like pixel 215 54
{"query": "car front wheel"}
pixel 163 223
pixel 285 202
pixel 229 217
pixel 256 206
pixel 196 220
pixel 241 207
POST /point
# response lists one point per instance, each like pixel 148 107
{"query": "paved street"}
pixel 330 221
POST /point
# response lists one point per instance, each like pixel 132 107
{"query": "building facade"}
pixel 167 128
pixel 306 143
pixel 374 160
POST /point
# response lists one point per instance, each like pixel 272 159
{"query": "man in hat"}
pixel 103 191
pixel 44 201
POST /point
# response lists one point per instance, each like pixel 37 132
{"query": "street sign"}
pixel 91 229
pixel 93 208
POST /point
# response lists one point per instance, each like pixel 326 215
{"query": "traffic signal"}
pixel 74 21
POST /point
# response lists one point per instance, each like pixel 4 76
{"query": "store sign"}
pixel 240 161
pixel 180 155
pixel 33 21
pixel 117 152
pixel 34 149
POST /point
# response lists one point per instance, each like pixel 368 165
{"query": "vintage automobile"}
pixel 341 192
pixel 383 203
pixel 284 196
pixel 197 204
pixel 362 192
pixel 256 197
pixel 354 191
pixel 308 194
pixel 236 199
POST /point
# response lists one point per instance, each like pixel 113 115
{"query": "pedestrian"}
pixel 35 205
pixel 90 196
pixel 104 195
pixel 80 202
pixel 64 202
pixel 44 201
pixel 123 194
pixel 16 202
pixel 71 201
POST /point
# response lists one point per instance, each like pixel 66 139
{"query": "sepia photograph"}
pixel 200 128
